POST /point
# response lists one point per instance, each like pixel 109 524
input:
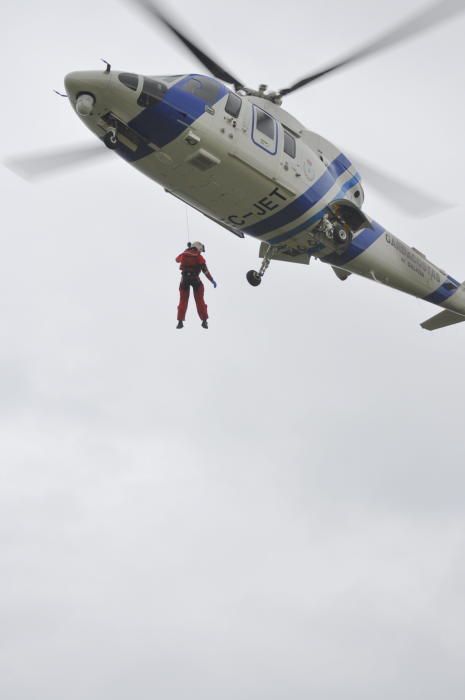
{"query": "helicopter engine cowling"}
pixel 85 104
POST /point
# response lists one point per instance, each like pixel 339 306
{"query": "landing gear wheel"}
pixel 253 278
pixel 110 140
pixel 342 236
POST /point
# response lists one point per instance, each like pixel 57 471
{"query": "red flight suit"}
pixel 192 263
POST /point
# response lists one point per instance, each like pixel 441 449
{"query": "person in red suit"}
pixel 192 263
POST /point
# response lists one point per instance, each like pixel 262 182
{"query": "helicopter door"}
pixel 264 131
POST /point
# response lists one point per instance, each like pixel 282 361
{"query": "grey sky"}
pixel 272 509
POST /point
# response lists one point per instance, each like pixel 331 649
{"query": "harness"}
pixel 190 278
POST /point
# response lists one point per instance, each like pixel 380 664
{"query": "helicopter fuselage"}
pixel 249 165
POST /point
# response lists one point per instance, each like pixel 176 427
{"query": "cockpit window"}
pixel 152 93
pixel 131 80
pixel 206 89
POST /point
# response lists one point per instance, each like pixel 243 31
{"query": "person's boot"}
pixel 180 324
pixel 205 324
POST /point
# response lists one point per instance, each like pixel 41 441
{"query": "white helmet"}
pixel 200 246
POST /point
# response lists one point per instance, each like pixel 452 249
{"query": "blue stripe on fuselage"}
pixel 164 121
pixel 305 202
pixel 443 293
pixel 313 219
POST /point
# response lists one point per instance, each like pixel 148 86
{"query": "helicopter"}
pixel 237 156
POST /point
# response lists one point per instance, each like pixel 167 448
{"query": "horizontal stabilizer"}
pixel 445 318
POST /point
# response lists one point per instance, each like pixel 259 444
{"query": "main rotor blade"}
pixel 435 14
pixel 407 198
pixel 213 66
pixel 41 165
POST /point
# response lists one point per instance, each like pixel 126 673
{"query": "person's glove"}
pixel 214 284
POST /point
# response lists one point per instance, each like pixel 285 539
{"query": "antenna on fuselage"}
pixel 108 65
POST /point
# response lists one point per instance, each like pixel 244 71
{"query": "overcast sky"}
pixel 270 509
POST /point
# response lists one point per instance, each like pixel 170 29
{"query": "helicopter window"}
pixel 265 124
pixel 170 78
pixel 131 80
pixel 233 105
pixel 152 93
pixel 206 89
pixel 289 144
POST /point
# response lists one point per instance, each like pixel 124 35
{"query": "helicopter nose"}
pixel 85 89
